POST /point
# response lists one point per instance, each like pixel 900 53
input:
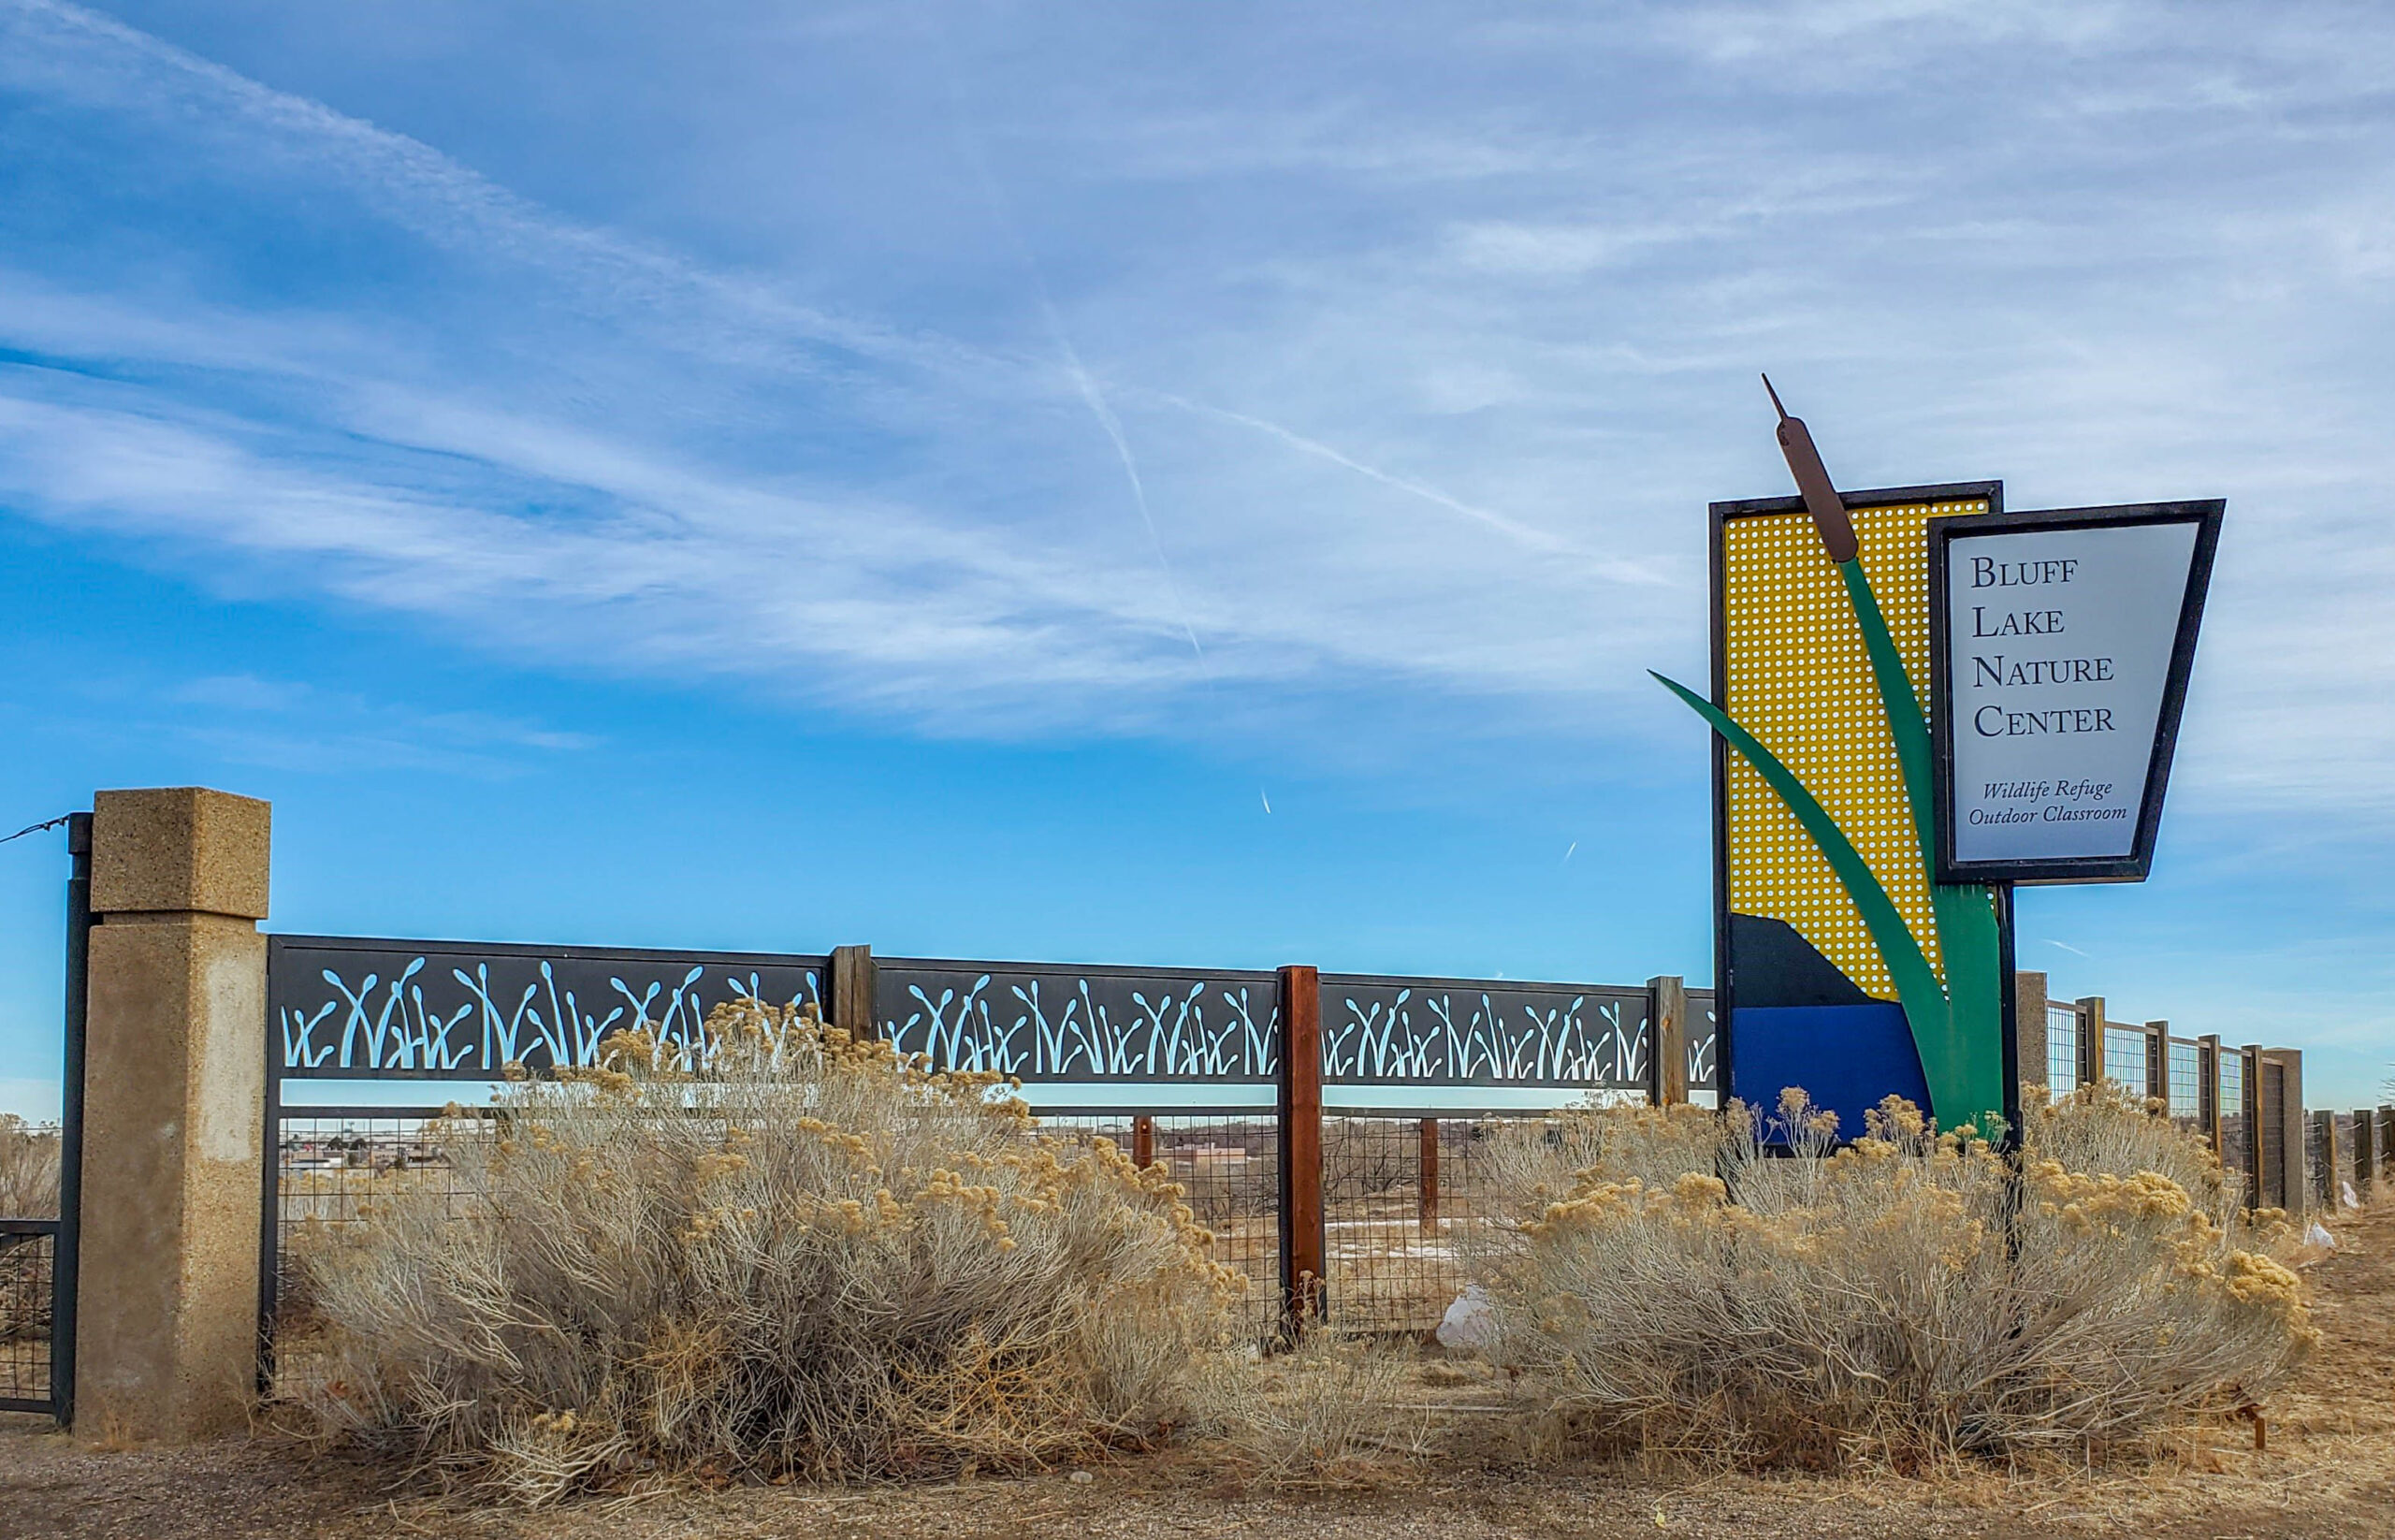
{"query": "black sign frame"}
pixel 2205 514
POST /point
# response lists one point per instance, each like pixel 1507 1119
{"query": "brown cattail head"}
pixel 1813 480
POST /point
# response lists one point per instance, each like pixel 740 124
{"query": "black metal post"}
pixel 66 1258
pixel 270 1193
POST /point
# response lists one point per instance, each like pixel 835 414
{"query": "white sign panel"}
pixel 2065 645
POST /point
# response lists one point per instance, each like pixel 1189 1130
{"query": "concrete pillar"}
pixel 173 1115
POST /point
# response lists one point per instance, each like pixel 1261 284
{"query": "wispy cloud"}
pixel 1416 387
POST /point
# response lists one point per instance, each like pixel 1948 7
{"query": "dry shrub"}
pixel 1904 1301
pixel 801 1257
pixel 28 1169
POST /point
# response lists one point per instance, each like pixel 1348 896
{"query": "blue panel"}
pixel 1845 1056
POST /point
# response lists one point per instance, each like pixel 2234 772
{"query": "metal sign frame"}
pixel 2205 514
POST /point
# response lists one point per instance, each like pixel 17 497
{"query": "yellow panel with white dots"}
pixel 1799 680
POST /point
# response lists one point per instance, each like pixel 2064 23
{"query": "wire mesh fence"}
pixel 28 1254
pixel 2062 1049
pixel 1229 1167
pixel 329 1169
pixel 2125 1058
pixel 1400 1196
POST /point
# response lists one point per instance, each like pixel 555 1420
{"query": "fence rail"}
pixel 1185 1065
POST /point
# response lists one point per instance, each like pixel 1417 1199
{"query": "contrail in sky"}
pixel 1003 208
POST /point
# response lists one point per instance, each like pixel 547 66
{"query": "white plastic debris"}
pixel 2317 1235
pixel 1470 1322
pixel 2350 1199
pixel 1081 1478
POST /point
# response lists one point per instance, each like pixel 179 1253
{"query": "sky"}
pixel 1148 485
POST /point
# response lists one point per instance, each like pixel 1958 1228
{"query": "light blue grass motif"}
pixel 396 1031
pixel 1261 1043
pixel 1380 1040
pixel 1172 1032
pixel 300 1051
pixel 970 1041
pixel 1466 1038
pixel 389 1026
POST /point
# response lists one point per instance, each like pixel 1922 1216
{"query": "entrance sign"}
pixel 1917 700
pixel 2061 647
pixel 1811 992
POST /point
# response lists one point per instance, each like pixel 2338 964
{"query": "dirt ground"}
pixel 2329 1471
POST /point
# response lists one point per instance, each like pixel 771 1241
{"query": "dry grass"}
pixel 1911 1299
pixel 800 1257
pixel 28 1190
pixel 28 1169
pixel 1342 1409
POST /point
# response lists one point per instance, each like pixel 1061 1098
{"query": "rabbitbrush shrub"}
pixel 1905 1299
pixel 791 1255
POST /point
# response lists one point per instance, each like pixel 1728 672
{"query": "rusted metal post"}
pixel 1302 1249
pixel 1144 1142
pixel 1666 1040
pixel 1429 1185
pixel 852 992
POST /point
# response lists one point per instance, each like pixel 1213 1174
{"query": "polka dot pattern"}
pixel 1799 680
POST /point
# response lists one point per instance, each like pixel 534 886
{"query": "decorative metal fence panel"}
pixel 1378 1030
pixel 347 1007
pixel 1704 1062
pixel 1064 1024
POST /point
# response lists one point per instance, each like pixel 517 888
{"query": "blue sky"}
pixel 929 475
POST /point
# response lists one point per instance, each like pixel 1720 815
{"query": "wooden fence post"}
pixel 2280 1070
pixel 1666 1040
pixel 852 992
pixel 2324 1172
pixel 2365 1152
pixel 1427 1218
pixel 2090 1009
pixel 2158 1064
pixel 2251 1096
pixel 1302 1250
pixel 2208 1089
